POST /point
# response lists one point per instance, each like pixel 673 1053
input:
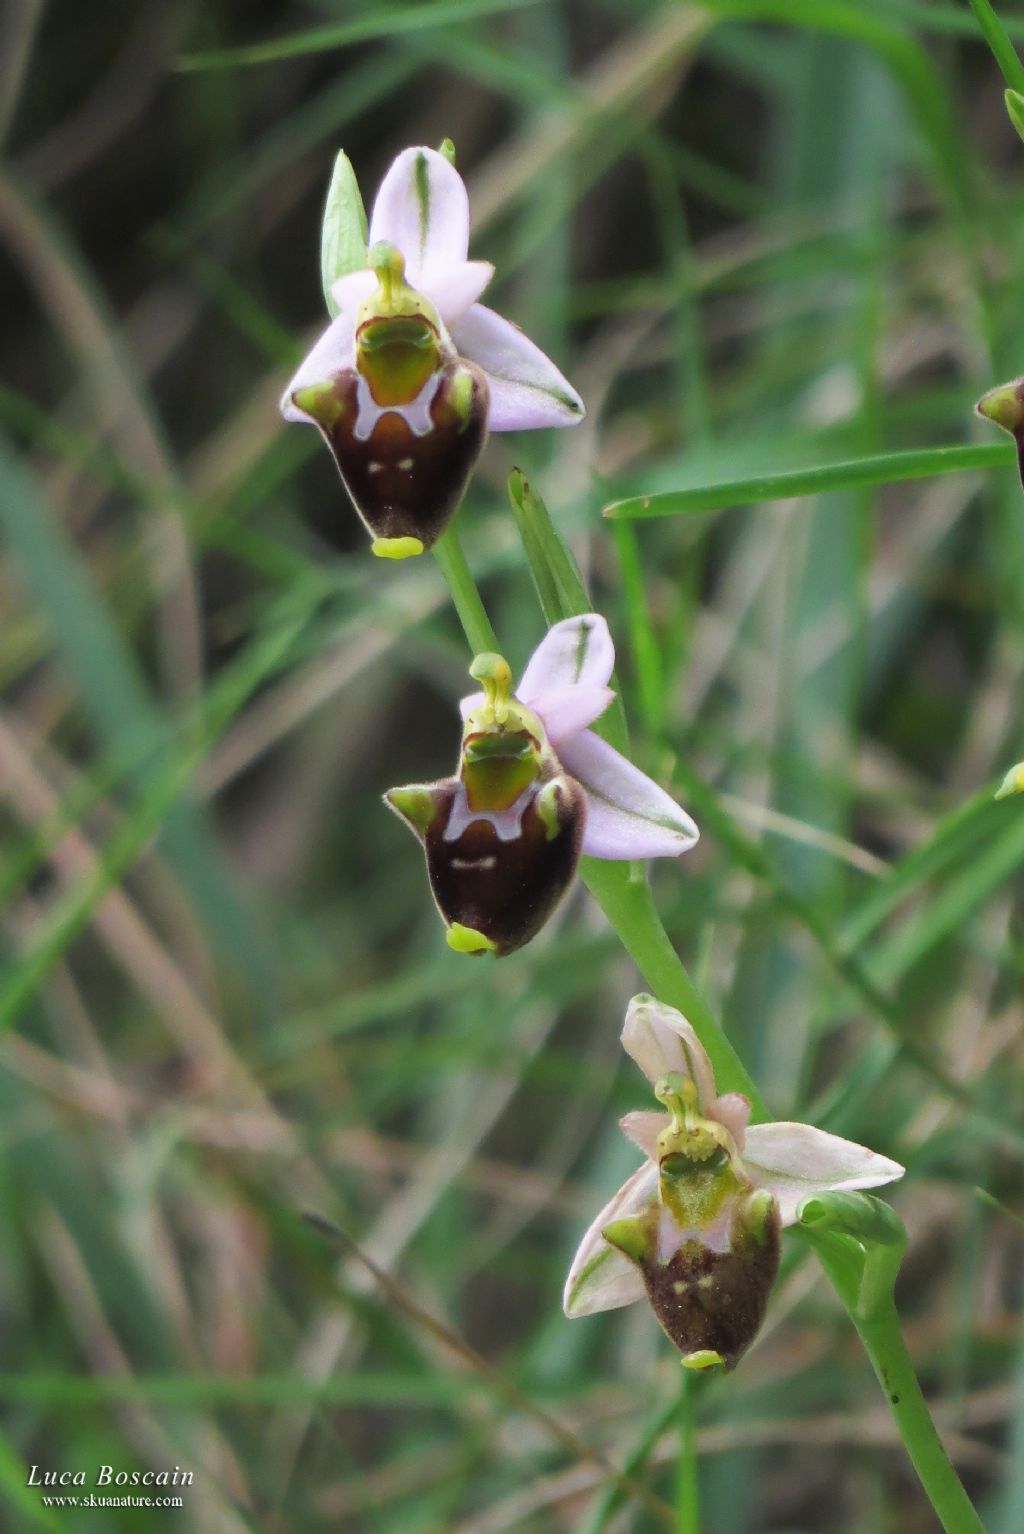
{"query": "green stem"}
pixel 885 1347
pixel 687 1485
pixel 1003 51
pixel 626 900
pixel 612 1497
pixel 623 895
pixel 451 561
pixel 878 1326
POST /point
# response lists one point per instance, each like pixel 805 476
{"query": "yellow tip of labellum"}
pixel 468 940
pixel 705 1358
pixel 396 548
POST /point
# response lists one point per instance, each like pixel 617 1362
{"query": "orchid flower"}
pixel 406 381
pixel 534 790
pixel 696 1229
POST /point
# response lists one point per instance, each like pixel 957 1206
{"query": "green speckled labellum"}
pixel 709 1297
pixel 707 1242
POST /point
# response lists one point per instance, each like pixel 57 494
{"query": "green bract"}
pixel 344 233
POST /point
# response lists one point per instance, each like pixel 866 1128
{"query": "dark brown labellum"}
pixel 404 484
pixel 715 1301
pixel 506 890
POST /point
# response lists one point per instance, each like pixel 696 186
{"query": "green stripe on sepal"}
pixel 423 199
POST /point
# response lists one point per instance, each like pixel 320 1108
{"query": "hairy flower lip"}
pixel 792 1161
pixel 496 874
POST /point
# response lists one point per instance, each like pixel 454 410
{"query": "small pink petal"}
pixel 600 1277
pixel 576 652
pixel 333 351
pixel 470 705
pixel 794 1161
pixel 350 291
pixel 565 711
pixel 628 815
pixel 733 1111
pixel 643 1127
pixel 450 291
pixel 453 290
pixel 422 208
pixel 660 1040
pixel 527 390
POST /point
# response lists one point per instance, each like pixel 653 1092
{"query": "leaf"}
pixel 882 469
pixel 559 585
pixel 415 18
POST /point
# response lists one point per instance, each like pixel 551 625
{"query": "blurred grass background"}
pixel 758 235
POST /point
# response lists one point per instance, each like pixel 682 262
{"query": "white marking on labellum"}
pixel 416 414
pixel 374 468
pixel 483 863
pixel 406 463
pixel 507 823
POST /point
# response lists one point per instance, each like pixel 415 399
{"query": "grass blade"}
pixel 388 23
pixel 853 474
pixel 1003 51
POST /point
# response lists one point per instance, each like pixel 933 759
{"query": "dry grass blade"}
pixel 404 1302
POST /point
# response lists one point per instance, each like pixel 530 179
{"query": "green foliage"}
pixel 777 245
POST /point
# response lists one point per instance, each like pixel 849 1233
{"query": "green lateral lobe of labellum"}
pixel 345 230
pixel 857 473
